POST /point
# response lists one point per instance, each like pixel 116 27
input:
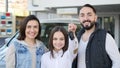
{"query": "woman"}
pixel 27 49
pixel 61 54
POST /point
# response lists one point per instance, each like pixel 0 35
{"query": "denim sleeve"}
pixel 10 57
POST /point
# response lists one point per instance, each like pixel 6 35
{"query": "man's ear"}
pixel 96 18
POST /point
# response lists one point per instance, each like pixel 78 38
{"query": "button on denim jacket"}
pixel 23 57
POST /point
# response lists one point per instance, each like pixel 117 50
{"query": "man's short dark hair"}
pixel 88 5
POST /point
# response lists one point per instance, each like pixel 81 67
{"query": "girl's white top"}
pixel 61 60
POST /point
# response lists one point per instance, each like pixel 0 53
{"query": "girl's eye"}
pixel 54 38
pixel 35 26
pixel 61 38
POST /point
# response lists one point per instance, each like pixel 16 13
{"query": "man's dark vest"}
pixel 96 56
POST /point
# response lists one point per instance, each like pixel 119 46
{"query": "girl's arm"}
pixel 73 46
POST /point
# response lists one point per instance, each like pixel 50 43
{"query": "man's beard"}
pixel 88 27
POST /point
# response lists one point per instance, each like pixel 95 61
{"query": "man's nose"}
pixel 85 17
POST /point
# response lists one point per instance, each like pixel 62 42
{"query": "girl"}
pixel 62 50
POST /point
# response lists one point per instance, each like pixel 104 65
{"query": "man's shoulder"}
pixel 102 31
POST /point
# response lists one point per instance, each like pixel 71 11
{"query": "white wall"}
pixel 42 4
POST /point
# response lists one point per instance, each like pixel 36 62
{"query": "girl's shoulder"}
pixel 46 55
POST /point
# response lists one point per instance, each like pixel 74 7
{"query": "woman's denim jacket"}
pixel 23 57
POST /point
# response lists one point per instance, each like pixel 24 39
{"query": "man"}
pixel 97 48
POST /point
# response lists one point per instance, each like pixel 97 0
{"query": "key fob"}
pixel 70 34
